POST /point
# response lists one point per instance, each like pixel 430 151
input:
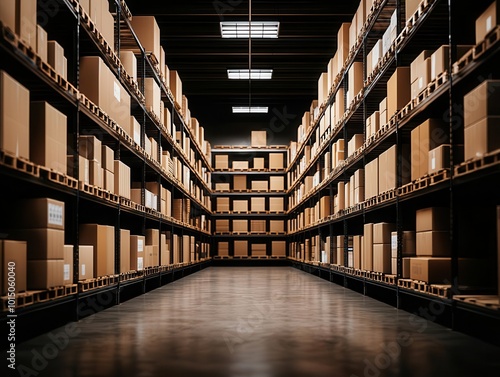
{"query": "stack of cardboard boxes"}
pixel 259 250
pixel 102 238
pixel 408 250
pixel 240 248
pixel 382 247
pixel 240 226
pixel 13 257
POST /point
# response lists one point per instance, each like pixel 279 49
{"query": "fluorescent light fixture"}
pixel 241 29
pixel 254 74
pixel 250 110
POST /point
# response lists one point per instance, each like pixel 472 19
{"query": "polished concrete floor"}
pixel 255 322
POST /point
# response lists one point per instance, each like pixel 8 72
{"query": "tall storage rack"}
pixel 249 203
pixel 468 188
pixel 68 23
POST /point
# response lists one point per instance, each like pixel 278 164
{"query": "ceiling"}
pixel 190 35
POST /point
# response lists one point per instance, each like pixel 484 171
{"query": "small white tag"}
pixel 488 24
pixel 433 66
pixel 117 91
pixel 66 272
pixel 140 245
pixel 83 270
pixel 140 263
pixel 420 82
pixel 55 214
pixel 433 163
pixel 394 242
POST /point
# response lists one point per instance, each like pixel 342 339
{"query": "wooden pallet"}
pixel 17 163
pixel 488 302
pixel 463 62
pixel 405 283
pixel 439 290
pixel 389 279
pixel 21 300
pixel 491 40
pixel 471 166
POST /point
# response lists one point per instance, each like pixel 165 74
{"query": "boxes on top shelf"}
pixel 487 21
pixel 176 87
pixel 420 72
pixel 323 88
pixel 259 139
pixel 129 61
pixel 343 44
pixel 398 90
pixel 356 82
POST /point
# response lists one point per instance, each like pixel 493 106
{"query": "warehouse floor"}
pixel 259 322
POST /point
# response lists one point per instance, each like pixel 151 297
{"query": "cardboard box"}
pixel 440 61
pixel 137 245
pixel 276 183
pixel 372 179
pixel 8 14
pixel 258 226
pixel 278 248
pixel 355 143
pixel 439 158
pixel 222 204
pixel 13 252
pixel 42 48
pixel 398 91
pixel 85 262
pixel 14 117
pixel 222 226
pixel 124 250
pixel 148 32
pixel 108 158
pixel 90 148
pixel 258 163
pixel 260 185
pixel 367 257
pixel 222 187
pixel 56 58
pixel 356 82
pixel 382 109
pixel 83 170
pixel 325 207
pixel 406 268
pixel 258 139
pixel 240 205
pixel 153 96
pixel 102 238
pixel 122 179
pixel 357 247
pixel 259 250
pixel 276 204
pixel 276 161
pixel 277 226
pixel 221 161
pixel 257 204
pixel 240 226
pixel 411 7
pixel 176 86
pixel 44 274
pixel 68 264
pixel 223 248
pixel 240 248
pixel 482 137
pixel 129 61
pixel 240 165
pixel 96 174
pixel 387 170
pixel 431 270
pixel 48 136
pixel 26 25
pixel 486 22
pixel 382 258
pixel 482 102
pixel 408 244
pixel 420 73
pixel 38 213
pixel 42 243
pixel 343 43
pixel 382 233
pixel 394 266
pixel 433 244
pixel 434 218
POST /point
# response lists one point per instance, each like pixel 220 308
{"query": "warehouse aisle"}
pixel 256 322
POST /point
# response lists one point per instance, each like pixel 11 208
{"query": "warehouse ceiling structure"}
pixel 191 37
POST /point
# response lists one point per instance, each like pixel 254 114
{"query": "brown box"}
pixel 276 183
pixel 398 90
pixel 408 244
pixel 276 204
pixel 44 274
pixel 8 14
pixel 259 250
pixel 68 264
pixel 355 143
pixel 482 102
pixel 223 248
pixel 240 205
pixel 420 73
pixel 222 187
pixel 258 163
pixel 12 252
pixel 277 226
pixel 258 226
pixel 240 226
pixel 278 248
pixel 343 43
pixel 371 179
pixel 439 158
pixel 406 265
pixel 14 117
pixel 95 174
pixel 439 61
pixel 107 158
pixel 84 169
pixel 85 262
pixel 42 243
pixel 176 86
pixel 124 250
pixel 382 258
pixel 153 96
pixel 325 207
pixel 38 213
pixel 152 237
pixel 433 244
pixel 411 7
pixel 122 179
pixel 257 204
pixel 240 165
pixel 129 62
pixel 240 182
pixel 382 233
pixel 137 244
pixel 102 238
pixel 222 204
pixel 486 22
pixel 434 218
pixel 431 270
pixel 367 257
pixel 276 161
pixel 42 48
pixel 108 181
pixel 355 81
pixel 148 32
pixel 222 226
pixel 260 185
pixel 221 161
pixel 387 172
pixel 56 58
pixel 26 26
pixel 482 137
pixel 90 148
pixel 383 116
pixel 240 248
pixel 259 139
pixel 357 246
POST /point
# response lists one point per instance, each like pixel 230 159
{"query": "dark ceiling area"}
pixel 191 37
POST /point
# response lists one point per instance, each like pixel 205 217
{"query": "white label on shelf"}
pixel 66 272
pixel 55 213
pixel 488 24
pixel 83 270
pixel 117 91
pixel 140 263
pixel 140 245
pixel 433 163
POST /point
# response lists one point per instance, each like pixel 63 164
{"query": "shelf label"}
pixel 117 91
pixel 66 272
pixel 55 213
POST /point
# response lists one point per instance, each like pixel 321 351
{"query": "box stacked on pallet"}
pixel 382 247
pixel 240 248
pixel 408 250
pixel 137 245
pixel 259 250
pixel 102 238
pixel 223 249
pixel 357 249
pixel 12 255
pixel 40 222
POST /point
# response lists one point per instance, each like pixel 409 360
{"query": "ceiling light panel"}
pixel 254 74
pixel 250 110
pixel 258 29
